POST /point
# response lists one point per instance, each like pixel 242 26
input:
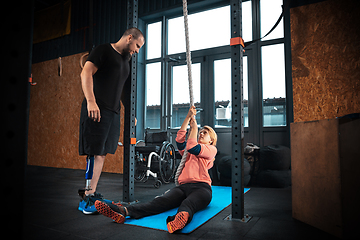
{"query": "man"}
pixel 103 77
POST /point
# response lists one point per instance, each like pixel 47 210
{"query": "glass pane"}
pixel 206 30
pixel 270 11
pixel 180 92
pixel 153 95
pixel 246 21
pixel 153 41
pixel 222 79
pixel 273 84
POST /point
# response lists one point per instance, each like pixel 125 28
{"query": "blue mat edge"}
pixel 191 226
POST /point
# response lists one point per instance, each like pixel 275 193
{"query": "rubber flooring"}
pixel 51 201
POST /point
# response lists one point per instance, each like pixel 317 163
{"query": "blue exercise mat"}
pixel 221 198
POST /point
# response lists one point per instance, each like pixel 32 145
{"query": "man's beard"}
pixel 126 53
pixel 128 56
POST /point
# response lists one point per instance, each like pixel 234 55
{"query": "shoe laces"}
pixel 90 199
pixel 97 196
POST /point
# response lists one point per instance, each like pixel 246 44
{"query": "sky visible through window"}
pixel 206 30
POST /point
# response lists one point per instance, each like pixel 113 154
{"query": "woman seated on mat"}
pixel 194 190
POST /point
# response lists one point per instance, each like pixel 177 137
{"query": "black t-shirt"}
pixel 113 71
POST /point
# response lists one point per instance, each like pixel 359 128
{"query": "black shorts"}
pixel 98 138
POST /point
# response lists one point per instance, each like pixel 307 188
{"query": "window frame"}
pixel 253 52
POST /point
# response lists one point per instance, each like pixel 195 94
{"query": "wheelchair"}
pixel 155 157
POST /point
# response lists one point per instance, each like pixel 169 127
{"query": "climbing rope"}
pixel 188 53
pixel 188 61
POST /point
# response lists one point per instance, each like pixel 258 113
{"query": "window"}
pixel 167 96
pixel 202 36
pixel 153 95
pixel 246 21
pixel 216 31
pixel 153 40
pixel 270 10
pixel 222 79
pixel 180 92
pixel 273 82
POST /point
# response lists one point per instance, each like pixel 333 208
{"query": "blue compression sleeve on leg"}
pixel 89 167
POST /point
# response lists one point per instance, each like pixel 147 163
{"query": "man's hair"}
pixel 136 33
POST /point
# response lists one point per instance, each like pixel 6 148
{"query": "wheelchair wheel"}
pixel 140 164
pixel 157 184
pixel 140 168
pixel 167 162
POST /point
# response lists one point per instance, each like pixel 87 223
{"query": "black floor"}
pixel 51 212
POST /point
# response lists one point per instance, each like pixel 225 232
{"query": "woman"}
pixel 194 192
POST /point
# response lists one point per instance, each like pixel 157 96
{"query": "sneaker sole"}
pixel 178 223
pixel 105 210
pixel 89 213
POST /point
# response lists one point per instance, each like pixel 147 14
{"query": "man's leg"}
pixel 98 165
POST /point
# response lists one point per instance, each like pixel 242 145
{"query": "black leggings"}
pixel 189 197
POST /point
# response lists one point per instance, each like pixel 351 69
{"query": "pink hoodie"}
pixel 196 166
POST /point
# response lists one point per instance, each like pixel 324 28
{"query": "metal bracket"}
pixel 245 219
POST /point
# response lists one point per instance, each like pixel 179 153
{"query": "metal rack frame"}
pixel 237 114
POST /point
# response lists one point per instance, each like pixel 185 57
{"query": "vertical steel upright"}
pixel 129 104
pixel 237 114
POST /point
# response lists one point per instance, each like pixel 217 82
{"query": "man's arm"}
pixel 87 85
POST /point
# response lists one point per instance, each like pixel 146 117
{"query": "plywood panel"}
pixel 325 59
pixel 316 183
pixel 55 105
pixel 349 143
pixel 325 181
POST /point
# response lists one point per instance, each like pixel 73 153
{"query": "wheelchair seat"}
pixel 147 149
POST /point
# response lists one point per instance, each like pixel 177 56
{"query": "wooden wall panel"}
pixel 55 105
pixel 325 59
pixel 325 164
pixel 316 198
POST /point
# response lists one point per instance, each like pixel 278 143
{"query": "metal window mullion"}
pixel 163 101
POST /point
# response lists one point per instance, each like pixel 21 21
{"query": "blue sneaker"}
pixel 87 206
pixel 81 205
